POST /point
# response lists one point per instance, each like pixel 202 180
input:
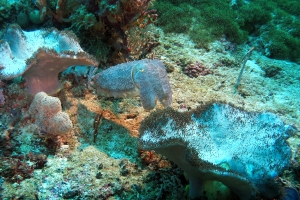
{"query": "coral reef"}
pixel 40 56
pixel 18 168
pixel 149 77
pixel 169 182
pixel 99 157
pixel 290 194
pixel 213 19
pixel 244 151
pixel 196 69
pixel 15 170
pixel 2 98
pixel 107 23
pixel 48 115
pixel 121 16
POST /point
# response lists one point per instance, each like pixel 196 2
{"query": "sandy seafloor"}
pixel 112 167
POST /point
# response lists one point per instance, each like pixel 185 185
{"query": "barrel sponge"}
pixel 147 78
pixel 48 115
pixel 243 150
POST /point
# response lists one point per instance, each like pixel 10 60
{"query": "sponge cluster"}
pixel 48 115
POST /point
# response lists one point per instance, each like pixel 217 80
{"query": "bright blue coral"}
pixel 148 78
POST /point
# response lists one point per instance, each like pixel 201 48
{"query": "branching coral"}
pixel 110 20
pixel 146 77
pixel 123 15
pixel 245 151
pixel 107 20
pixel 141 42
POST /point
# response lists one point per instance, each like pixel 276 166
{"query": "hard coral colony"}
pixel 103 99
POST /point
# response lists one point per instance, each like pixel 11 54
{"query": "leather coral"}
pixel 40 56
pixel 243 150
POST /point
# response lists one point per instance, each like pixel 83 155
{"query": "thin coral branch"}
pixel 90 76
pixel 245 59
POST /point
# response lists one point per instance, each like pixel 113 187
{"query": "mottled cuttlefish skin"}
pixel 147 78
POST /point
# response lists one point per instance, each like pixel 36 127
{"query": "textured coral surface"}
pixel 251 147
pixel 47 113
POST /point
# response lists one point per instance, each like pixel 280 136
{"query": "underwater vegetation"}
pixel 206 21
pixel 102 26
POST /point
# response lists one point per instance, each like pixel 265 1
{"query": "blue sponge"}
pixel 218 142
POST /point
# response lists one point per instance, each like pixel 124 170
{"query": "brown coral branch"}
pixel 97 122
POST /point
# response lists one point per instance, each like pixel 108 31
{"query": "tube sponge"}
pixel 245 151
pixel 48 115
pixel 148 78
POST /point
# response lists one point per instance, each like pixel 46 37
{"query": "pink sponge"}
pixel 46 111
